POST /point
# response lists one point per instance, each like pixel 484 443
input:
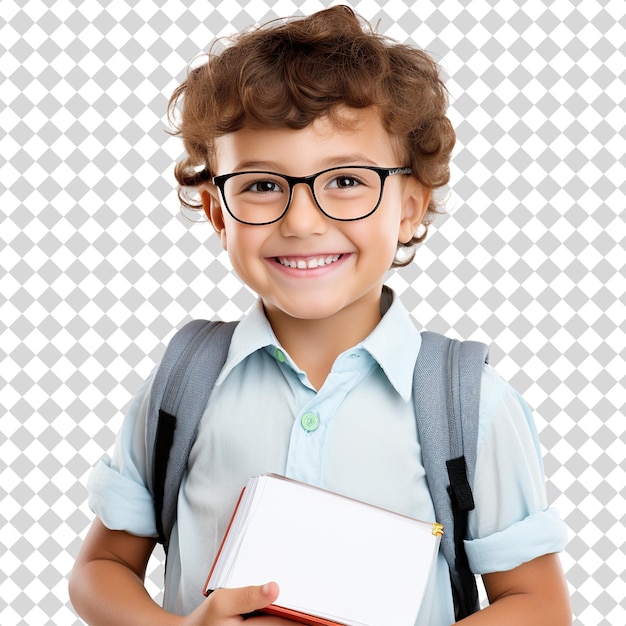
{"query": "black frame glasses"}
pixel 309 181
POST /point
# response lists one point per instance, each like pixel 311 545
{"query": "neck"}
pixel 314 344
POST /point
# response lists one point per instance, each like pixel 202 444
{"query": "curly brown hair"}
pixel 290 72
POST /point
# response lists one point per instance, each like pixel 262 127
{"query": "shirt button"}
pixel 279 355
pixel 310 422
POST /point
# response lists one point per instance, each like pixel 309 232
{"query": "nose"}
pixel 303 217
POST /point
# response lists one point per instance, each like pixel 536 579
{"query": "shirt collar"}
pixel 253 333
pixel 394 343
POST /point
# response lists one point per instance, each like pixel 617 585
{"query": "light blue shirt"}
pixel 356 436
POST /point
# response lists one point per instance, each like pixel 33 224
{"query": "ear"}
pixel 414 205
pixel 213 210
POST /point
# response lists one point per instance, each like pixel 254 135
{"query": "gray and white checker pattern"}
pixel 98 267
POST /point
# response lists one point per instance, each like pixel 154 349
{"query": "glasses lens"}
pixel 256 197
pixel 348 193
pixel 345 193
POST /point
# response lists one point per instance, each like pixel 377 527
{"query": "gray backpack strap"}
pixel 446 393
pixel 179 396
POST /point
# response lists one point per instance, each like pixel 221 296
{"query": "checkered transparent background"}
pixel 97 267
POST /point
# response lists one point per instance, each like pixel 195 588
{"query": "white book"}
pixel 335 559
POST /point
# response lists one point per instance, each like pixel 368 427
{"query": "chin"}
pixel 304 311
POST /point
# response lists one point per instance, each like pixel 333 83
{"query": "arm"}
pixel 533 593
pixel 514 535
pixel 106 588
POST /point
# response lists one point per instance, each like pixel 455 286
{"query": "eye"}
pixel 343 181
pixel 263 186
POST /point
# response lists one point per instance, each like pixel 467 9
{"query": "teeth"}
pixel 303 264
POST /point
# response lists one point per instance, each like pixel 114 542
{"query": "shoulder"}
pixel 503 410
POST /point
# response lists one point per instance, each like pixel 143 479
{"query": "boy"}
pixel 318 381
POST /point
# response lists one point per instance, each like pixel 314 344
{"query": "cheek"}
pixel 243 243
pixel 378 232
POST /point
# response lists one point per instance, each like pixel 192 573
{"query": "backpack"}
pixel 446 391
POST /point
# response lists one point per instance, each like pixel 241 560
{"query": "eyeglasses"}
pixel 341 193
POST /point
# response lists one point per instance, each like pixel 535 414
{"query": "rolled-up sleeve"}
pixel 117 486
pixel 511 523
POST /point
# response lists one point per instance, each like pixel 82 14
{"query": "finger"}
pixel 231 602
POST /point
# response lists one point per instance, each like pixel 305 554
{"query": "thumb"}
pixel 242 600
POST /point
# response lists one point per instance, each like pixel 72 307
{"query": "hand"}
pixel 224 607
pixel 107 588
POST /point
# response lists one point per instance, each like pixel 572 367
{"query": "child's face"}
pixel 352 257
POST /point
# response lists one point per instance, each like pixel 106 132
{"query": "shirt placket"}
pixel 312 424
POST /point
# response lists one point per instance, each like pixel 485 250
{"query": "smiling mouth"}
pixel 308 263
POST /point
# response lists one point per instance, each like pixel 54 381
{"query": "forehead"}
pixel 354 136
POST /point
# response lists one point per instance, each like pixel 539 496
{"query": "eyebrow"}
pixel 272 166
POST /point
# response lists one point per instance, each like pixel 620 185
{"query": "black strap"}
pixel 462 501
pixel 162 446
